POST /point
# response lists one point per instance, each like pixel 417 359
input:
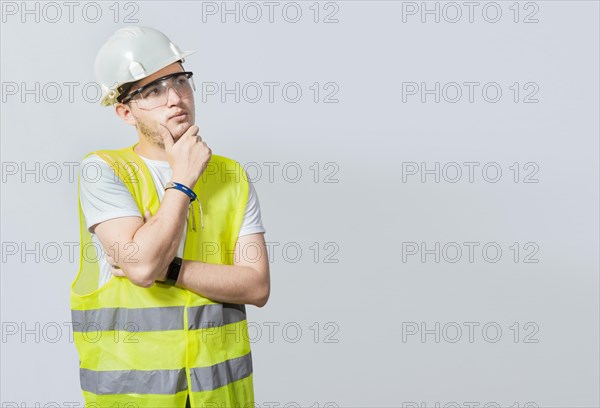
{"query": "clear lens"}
pixel 156 93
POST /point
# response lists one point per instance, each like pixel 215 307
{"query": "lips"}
pixel 178 115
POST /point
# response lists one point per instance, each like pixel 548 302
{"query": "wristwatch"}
pixel 173 272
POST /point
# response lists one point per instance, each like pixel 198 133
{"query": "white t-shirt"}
pixel 104 197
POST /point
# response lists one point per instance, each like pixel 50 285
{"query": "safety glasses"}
pixel 156 93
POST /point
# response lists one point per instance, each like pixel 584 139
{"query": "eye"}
pixel 152 91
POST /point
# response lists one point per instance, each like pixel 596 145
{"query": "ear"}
pixel 124 112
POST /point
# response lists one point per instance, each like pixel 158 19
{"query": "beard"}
pixel 149 130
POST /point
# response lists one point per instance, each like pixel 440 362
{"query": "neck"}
pixel 150 151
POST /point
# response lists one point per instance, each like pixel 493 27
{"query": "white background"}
pixel 360 293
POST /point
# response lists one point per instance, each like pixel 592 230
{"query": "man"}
pixel 159 315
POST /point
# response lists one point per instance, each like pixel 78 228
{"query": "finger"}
pixel 147 215
pixel 193 132
pixel 167 137
pixel 117 272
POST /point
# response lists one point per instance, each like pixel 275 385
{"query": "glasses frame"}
pixel 188 74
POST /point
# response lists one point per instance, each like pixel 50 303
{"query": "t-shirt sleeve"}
pixel 252 223
pixel 103 195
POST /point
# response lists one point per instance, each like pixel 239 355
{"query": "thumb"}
pixel 167 137
pixel 147 215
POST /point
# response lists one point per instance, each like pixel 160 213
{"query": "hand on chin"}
pixel 178 127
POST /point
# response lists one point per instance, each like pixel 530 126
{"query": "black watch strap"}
pixel 173 272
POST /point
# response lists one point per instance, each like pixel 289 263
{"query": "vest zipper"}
pixel 194 216
pixel 186 326
pixel 201 214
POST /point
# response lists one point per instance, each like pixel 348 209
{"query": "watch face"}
pixel 173 272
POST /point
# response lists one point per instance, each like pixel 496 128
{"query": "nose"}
pixel 172 97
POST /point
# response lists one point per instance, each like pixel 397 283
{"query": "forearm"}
pixel 224 283
pixel 156 242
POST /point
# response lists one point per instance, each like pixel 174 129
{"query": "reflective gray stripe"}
pixel 133 381
pixel 132 320
pixel 218 375
pixel 214 315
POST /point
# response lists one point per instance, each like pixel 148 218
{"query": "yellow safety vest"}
pixel 151 347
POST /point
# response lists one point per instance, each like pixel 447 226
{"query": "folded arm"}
pixel 144 250
pixel 247 281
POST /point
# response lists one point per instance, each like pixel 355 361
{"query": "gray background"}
pixel 365 298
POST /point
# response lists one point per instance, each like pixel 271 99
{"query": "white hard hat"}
pixel 130 54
